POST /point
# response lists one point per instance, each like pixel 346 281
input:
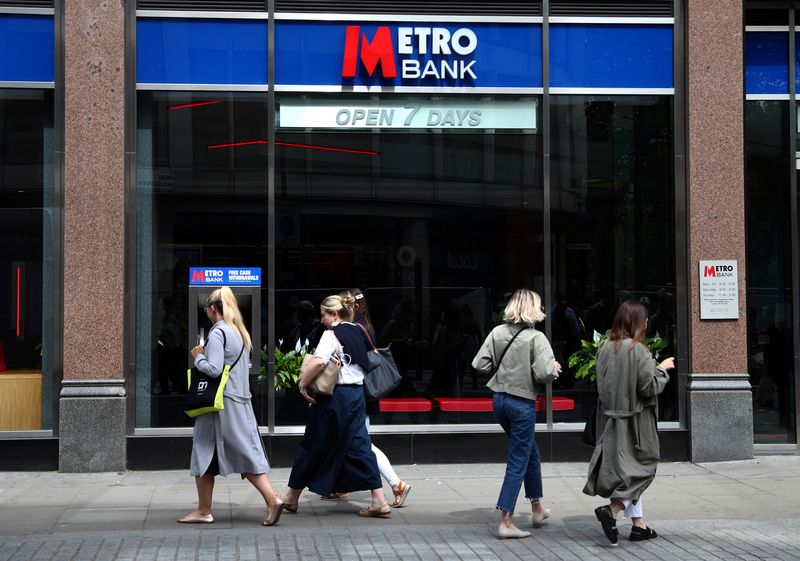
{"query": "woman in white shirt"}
pixel 335 455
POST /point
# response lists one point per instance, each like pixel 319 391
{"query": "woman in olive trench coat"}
pixel 626 455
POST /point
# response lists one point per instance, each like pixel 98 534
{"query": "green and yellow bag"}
pixel 205 392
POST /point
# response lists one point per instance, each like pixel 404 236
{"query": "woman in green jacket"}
pixel 518 356
pixel 626 456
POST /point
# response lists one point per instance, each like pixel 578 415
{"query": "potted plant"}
pixel 584 360
pixel 292 409
pixel 287 365
pixel 584 363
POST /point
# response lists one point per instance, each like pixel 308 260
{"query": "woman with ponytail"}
pixel 228 441
pixel 335 455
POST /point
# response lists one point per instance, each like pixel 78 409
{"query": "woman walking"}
pixel 626 456
pixel 518 356
pixel 400 488
pixel 228 441
pixel 335 455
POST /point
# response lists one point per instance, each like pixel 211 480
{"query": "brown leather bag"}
pixel 326 380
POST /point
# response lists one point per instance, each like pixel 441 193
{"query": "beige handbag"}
pixel 328 376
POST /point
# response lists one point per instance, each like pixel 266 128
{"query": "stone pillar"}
pixel 719 397
pixel 92 427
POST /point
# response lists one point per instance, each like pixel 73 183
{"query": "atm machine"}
pixel 245 282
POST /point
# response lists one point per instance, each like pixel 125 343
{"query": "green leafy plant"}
pixel 287 365
pixel 584 360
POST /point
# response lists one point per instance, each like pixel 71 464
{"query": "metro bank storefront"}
pixel 437 160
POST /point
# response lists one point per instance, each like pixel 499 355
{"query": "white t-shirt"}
pixel 328 346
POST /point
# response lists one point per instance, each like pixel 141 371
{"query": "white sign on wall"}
pixel 407 114
pixel 719 290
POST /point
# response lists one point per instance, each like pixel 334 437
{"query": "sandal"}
pixel 382 511
pixel 273 517
pixel 606 517
pixel 334 497
pixel 287 506
pixel 400 495
pixel 196 518
pixel 641 534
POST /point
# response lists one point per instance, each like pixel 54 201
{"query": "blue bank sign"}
pixel 224 276
pixel 411 54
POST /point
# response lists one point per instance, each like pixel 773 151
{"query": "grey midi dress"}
pixel 232 432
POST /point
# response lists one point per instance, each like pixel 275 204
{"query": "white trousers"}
pixel 632 510
pixel 384 465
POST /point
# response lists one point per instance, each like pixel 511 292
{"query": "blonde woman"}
pixel 335 455
pixel 228 441
pixel 517 356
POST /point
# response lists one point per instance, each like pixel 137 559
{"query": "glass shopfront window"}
pixel 769 270
pixel 435 225
pixel 201 202
pixel 613 227
pixel 27 251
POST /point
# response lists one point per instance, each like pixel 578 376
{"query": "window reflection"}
pixel 612 225
pixel 769 270
pixel 27 364
pixel 435 228
pixel 201 201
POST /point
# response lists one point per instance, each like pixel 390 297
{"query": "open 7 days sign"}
pixel 407 114
pixel 719 290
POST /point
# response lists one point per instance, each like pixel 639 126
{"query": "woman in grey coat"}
pixel 626 456
pixel 228 441
pixel 517 356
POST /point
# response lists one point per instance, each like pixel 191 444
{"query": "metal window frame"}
pixel 794 210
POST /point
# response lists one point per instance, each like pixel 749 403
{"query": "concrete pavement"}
pixel 731 510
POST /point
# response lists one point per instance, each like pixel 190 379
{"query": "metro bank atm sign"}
pixel 224 276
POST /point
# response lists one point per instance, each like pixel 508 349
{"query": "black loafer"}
pixel 607 521
pixel 641 534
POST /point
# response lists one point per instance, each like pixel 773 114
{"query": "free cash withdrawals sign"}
pixel 225 276
pixel 719 289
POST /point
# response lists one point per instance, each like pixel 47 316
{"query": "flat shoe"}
pixel 382 511
pixel 606 517
pixel 287 506
pixel 273 517
pixel 401 494
pixel 641 534
pixel 538 517
pixel 193 518
pixel 506 533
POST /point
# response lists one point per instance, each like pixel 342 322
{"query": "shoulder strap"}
pixel 364 329
pixel 497 366
pixel 225 344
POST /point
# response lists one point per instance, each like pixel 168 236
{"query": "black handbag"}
pixel 382 376
pixel 205 392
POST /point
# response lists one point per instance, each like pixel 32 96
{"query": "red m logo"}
pixel 198 276
pixel 379 50
pixel 709 271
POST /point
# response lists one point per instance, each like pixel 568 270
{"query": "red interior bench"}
pixel 472 404
pixel 559 403
pixel 404 405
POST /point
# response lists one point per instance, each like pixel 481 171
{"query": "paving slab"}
pixel 733 510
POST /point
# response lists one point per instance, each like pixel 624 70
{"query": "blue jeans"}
pixel 517 416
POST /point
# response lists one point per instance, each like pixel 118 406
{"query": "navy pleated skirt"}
pixel 335 455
